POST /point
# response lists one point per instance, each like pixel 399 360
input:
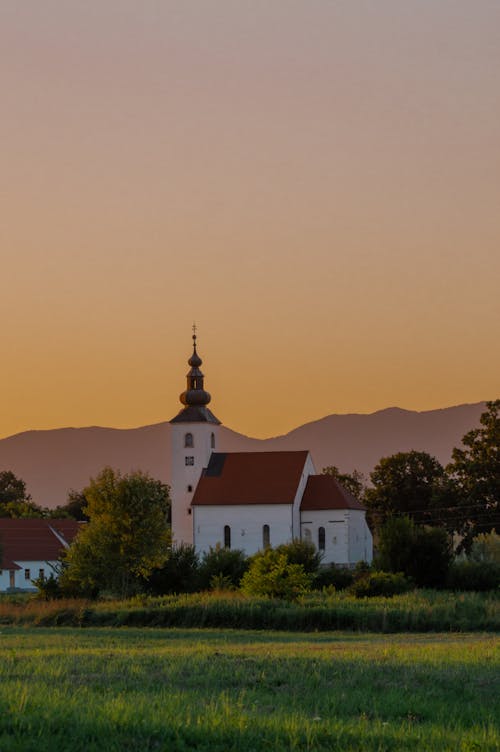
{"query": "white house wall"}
pixel 20 580
pixel 347 536
pixel 246 523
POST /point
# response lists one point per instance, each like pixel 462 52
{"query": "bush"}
pixel 431 557
pixel 422 553
pixel 222 565
pixel 473 575
pixel 380 583
pixel 271 574
pixel 303 553
pixel 48 588
pixel 179 574
pixel 486 547
pixel 333 576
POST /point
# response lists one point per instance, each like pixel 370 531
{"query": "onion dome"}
pixel 195 399
pixel 195 393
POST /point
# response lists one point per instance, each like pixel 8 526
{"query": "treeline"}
pixel 462 498
pixel 17 503
pixel 409 557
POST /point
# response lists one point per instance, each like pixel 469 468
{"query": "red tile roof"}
pixel 33 540
pixel 250 478
pixel 324 492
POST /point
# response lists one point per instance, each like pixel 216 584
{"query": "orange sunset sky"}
pixel 316 183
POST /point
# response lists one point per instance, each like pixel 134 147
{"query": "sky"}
pixel 316 183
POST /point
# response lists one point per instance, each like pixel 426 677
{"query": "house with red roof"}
pixel 252 500
pixel 30 548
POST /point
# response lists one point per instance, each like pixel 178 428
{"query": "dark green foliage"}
pixel 303 553
pixel 421 553
pixel 74 509
pixel 12 488
pixel 414 484
pixel 179 574
pixel 48 588
pixel 476 470
pixel 432 555
pixel 220 566
pixel 353 482
pixel 126 538
pixel 385 584
pixel 15 502
pixel 473 575
pixel 271 574
pixel 395 544
pixel 333 576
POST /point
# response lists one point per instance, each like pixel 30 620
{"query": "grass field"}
pixel 169 689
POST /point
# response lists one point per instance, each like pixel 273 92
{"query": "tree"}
pixel 126 538
pixel 14 499
pixel 476 470
pixel 353 482
pixel 422 553
pixel 414 484
pixel 75 507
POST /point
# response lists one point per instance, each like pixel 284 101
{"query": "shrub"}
pixel 380 583
pixel 220 582
pixel 473 575
pixel 179 574
pixel 333 576
pixel 486 547
pixel 271 574
pixel 219 562
pixel 48 588
pixel 431 556
pixel 422 553
pixel 303 553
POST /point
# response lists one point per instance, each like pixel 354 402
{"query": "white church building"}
pixel 251 500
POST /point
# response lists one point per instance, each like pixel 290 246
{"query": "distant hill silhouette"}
pixel 52 462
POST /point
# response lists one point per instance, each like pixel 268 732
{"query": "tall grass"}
pixel 419 611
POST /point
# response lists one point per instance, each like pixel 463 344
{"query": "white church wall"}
pixel 186 466
pixel 347 536
pixel 360 537
pixel 308 470
pixel 246 524
pixel 335 524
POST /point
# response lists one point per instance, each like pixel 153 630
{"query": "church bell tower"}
pixel 194 436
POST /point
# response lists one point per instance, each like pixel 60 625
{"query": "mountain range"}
pixel 54 461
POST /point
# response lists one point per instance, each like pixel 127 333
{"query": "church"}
pixel 252 500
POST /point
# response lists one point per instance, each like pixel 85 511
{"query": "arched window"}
pixel 307 535
pixel 227 536
pixel 212 441
pixel 321 538
pixel 188 440
pixel 266 536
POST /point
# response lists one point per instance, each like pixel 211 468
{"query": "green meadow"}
pixel 177 689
